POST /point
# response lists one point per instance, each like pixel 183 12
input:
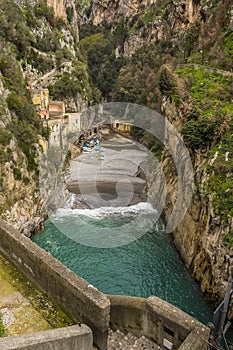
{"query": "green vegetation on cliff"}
pixel 32 38
pixel 16 42
pixel 70 84
pixel 209 128
pixel 24 123
pixel 2 332
pixel 211 94
pixel 137 81
pixel 33 42
pixel 103 66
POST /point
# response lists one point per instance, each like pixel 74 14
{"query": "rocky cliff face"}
pixel 199 238
pixel 20 201
pixel 25 212
pixel 149 20
pixel 110 10
pixel 37 48
pixel 64 8
pixel 103 10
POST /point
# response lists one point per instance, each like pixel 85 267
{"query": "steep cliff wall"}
pixel 20 201
pixel 148 21
pixel 37 48
pixel 199 238
pixel 111 10
pixel 64 9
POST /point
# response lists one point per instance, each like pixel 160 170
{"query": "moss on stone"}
pixel 42 313
pixel 2 331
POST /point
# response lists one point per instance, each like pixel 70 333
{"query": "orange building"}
pixel 44 114
pixel 56 109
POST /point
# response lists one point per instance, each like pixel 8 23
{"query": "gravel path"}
pixel 120 341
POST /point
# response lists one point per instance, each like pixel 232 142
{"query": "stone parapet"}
pixel 81 301
pixel 166 325
pixel 74 337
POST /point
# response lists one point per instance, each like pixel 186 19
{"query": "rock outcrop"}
pixel 20 201
pixel 155 19
pixel 199 238
pixel 64 7
pixel 111 10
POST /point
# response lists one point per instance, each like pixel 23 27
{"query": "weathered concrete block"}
pixel 74 337
pixel 127 313
pixel 162 320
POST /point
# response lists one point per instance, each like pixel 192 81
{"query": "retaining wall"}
pixel 74 337
pixel 154 318
pixel 163 323
pixel 80 300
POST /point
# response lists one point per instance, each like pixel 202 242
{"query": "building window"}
pixel 168 331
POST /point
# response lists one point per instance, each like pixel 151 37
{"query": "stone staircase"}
pixel 117 340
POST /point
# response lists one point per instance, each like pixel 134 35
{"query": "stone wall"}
pixel 80 300
pixel 74 337
pixel 154 318
pixel 199 237
pixel 159 321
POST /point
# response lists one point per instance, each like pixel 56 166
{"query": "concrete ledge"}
pixel 163 323
pixel 196 341
pixel 162 320
pixel 80 300
pixel 74 337
pixel 127 313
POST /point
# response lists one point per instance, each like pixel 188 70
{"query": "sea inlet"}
pixel 109 233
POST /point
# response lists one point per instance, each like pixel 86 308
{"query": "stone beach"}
pixel 111 176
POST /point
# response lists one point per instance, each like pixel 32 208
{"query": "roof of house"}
pixel 54 113
pixel 56 103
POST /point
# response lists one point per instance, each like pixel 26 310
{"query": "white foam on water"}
pixel 70 203
pixel 141 208
pixel 106 227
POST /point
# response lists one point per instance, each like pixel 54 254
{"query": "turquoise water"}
pixel 148 265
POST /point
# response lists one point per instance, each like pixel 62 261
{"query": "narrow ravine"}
pixel 118 248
